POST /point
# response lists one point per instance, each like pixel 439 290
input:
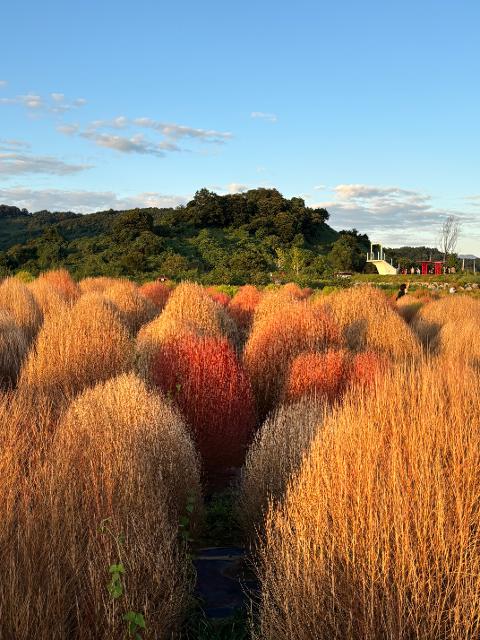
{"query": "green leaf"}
pixel 115 587
pixel 190 508
pixel 135 621
pixel 117 568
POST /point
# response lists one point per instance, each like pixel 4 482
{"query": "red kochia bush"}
pixel 328 375
pixel 218 296
pixel 205 378
pixel 323 374
pixel 157 292
pixel 366 367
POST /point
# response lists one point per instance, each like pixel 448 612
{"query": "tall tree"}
pixel 449 236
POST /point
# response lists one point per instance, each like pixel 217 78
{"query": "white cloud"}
pixel 134 144
pixel 3 83
pixel 12 164
pixel 120 122
pixel 13 143
pixel 320 187
pixel 235 187
pixel 84 201
pixel 54 103
pixel 101 133
pixel 261 115
pixel 68 129
pixel 393 215
pixel 175 131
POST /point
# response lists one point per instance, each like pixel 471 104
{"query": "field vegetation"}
pixel 333 433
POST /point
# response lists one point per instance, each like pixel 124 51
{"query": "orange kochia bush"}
pixel 157 292
pixel 279 337
pixel 209 384
pixel 242 306
pixel 328 375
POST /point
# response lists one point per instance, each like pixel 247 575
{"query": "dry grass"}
pixel 449 325
pixel 408 307
pixel 96 285
pixel 189 310
pixel 274 457
pixel 271 302
pixel 13 349
pixel 279 334
pixel 63 283
pixel 16 299
pixel 47 296
pixel 378 536
pixel 119 452
pixel 369 322
pixel 76 348
pixel 134 308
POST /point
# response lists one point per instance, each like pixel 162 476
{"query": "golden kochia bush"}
pixel 133 307
pixel 408 307
pixel 460 340
pixel 49 299
pixel 271 301
pixel 13 348
pixel 378 536
pixel 63 283
pixel 123 453
pixel 277 338
pixel 274 456
pixel 16 299
pixel 97 284
pixel 189 310
pixel 460 312
pixel 78 347
pixel 368 320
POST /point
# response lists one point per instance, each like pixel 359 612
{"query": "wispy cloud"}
pixel 69 129
pixel 392 214
pixel 134 144
pixel 473 201
pixel 13 164
pixel 12 143
pixel 55 103
pixel 3 83
pixel 176 131
pixel 261 115
pixel 84 201
pixel 103 134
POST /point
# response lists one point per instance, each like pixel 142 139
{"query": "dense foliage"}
pixel 257 236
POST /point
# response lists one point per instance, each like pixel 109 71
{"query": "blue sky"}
pixel 368 108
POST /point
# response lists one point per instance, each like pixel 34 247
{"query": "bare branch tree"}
pixel 449 236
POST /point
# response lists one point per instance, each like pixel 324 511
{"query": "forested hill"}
pixel 234 238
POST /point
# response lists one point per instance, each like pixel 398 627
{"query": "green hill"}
pixel 230 239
